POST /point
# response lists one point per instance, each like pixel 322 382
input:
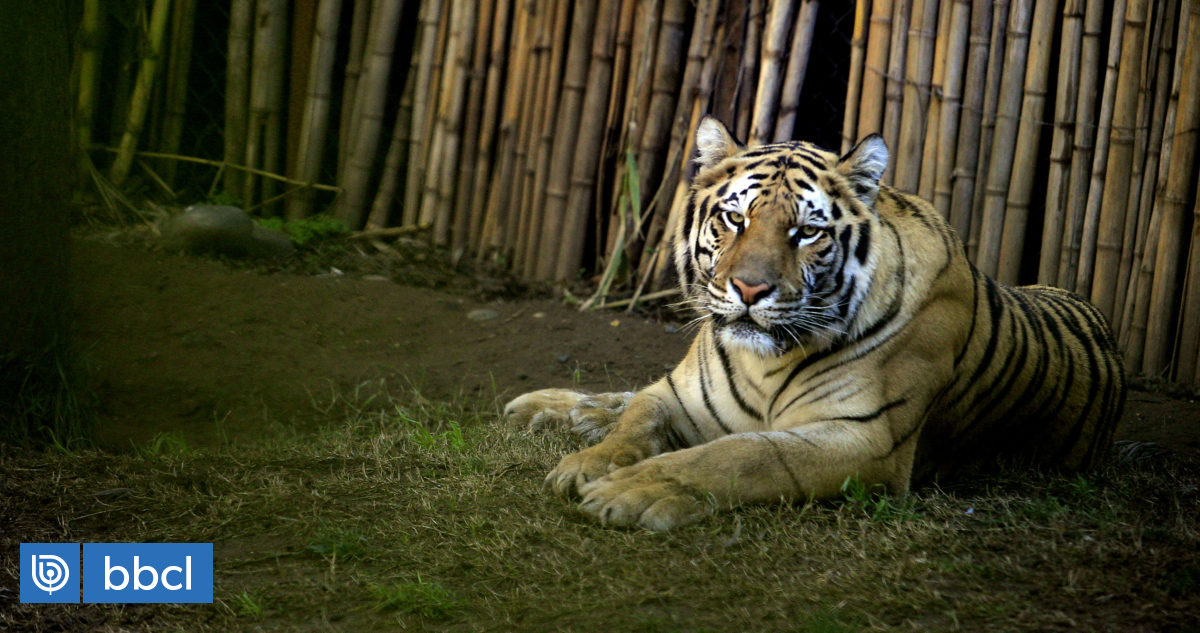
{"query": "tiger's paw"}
pixel 578 469
pixel 590 416
pixel 644 494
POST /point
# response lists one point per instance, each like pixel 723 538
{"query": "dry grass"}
pixel 431 516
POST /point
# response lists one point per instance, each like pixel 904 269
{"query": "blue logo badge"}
pixel 147 572
pixel 49 572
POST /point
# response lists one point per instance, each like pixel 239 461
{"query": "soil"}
pixel 217 352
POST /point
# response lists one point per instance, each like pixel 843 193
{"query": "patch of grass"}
pixel 427 511
pixel 306 232
pixel 420 597
pixel 164 444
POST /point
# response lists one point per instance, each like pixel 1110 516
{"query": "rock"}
pixel 482 315
pixel 222 230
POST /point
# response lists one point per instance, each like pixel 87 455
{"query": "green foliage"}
pixel 876 503
pixel 224 198
pixel 44 400
pixel 342 543
pixel 426 599
pixel 246 605
pixel 306 231
pixel 163 444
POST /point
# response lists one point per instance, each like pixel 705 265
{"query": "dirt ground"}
pixel 195 346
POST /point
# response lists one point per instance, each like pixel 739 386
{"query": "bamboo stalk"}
pixel 1091 212
pixel 854 85
pixel 1008 113
pixel 1187 357
pixel 892 107
pixel 1173 201
pixel 566 132
pixel 870 110
pixel 372 89
pixel 437 199
pixel 91 45
pixel 140 101
pixel 224 166
pixel 976 84
pixel 1029 131
pixel 748 82
pixel 304 24
pixel 952 93
pixel 587 145
pixel 395 163
pixel 1066 98
pixel 1134 341
pixel 1134 220
pixel 1083 144
pixel 918 70
pixel 931 146
pixel 314 125
pixel 461 196
pixel 766 100
pixel 263 135
pixel 175 97
pixel 623 70
pixel 797 64
pixel 1116 181
pixel 493 93
pixel 496 215
pixel 427 41
pixel 514 193
pixel 237 86
pixel 360 23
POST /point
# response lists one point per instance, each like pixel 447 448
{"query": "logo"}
pixel 49 572
pixel 147 572
pixel 117 572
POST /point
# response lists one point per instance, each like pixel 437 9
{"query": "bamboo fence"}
pixel 553 139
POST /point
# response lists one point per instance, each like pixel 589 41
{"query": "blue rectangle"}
pixel 147 572
pixel 50 572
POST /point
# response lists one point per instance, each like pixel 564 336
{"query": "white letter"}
pixel 188 579
pixel 176 586
pixel 137 576
pixel 108 570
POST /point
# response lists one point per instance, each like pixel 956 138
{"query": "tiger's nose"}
pixel 751 293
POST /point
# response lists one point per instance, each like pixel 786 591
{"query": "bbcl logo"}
pixel 117 572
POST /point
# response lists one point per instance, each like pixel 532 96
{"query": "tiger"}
pixel 843 333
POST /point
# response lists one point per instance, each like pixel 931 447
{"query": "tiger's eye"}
pixel 736 217
pixel 808 230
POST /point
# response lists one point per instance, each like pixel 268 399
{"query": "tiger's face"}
pixel 776 244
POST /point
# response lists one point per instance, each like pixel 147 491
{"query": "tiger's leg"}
pixel 811 461
pixel 591 416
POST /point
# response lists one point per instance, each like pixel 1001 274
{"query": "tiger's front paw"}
pixel 591 416
pixel 578 469
pixel 648 494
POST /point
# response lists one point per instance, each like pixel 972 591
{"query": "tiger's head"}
pixel 776 242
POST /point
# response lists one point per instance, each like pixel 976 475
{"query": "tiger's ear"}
pixel 864 165
pixel 714 143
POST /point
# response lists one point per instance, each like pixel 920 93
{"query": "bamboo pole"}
pixel 237 86
pixel 566 132
pixel 303 32
pixel 870 110
pixel 918 70
pixel 437 199
pixel 975 85
pixel 614 125
pixel 854 86
pixel 1188 352
pixel 395 163
pixel 1116 187
pixel 1091 212
pixel 766 100
pixel 933 114
pixel 748 82
pixel 987 125
pixel 1173 201
pixel 91 47
pixel 496 215
pixel 892 107
pixel 1065 101
pixel 175 97
pixel 314 125
pixel 797 64
pixel 587 145
pixel 517 197
pixel 1029 131
pixel 431 11
pixel 140 101
pixel 360 23
pixel 263 135
pixel 460 196
pixel 1008 113
pixel 1083 144
pixel 1135 220
pixel 943 164
pixel 1134 341
pixel 370 101
pixel 496 59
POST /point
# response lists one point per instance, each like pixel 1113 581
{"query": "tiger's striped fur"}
pixel 844 334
